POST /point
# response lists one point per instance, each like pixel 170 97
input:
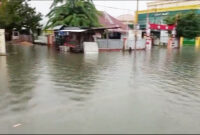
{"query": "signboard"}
pixel 161 27
pixel 161 14
pixel 2 42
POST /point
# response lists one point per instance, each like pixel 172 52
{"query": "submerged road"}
pixel 44 91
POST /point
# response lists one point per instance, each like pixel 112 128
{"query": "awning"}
pixel 73 30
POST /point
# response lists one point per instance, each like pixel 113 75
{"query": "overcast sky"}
pixel 114 8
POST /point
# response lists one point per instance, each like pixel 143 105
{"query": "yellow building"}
pixel 160 9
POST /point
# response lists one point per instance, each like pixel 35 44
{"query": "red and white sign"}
pixel 148 43
pixel 161 27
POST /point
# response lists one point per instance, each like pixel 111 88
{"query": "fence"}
pixel 27 38
pixel 110 43
pixel 118 44
pixel 187 41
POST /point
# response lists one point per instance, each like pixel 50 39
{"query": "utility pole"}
pixel 148 33
pixel 136 23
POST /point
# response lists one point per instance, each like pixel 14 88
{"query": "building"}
pixel 160 9
pixel 127 19
pixel 110 22
pixel 171 3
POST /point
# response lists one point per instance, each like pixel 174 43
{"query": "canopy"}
pixel 73 30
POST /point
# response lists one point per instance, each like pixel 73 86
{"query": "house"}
pixel 22 35
pixel 74 37
pixel 115 27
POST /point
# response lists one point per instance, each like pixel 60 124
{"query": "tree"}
pixel 16 14
pixel 188 25
pixel 79 13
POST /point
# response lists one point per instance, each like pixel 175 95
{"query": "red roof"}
pixel 110 22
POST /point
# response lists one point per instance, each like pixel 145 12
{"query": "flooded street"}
pixel 45 91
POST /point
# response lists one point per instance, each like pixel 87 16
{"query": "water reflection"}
pixel 3 82
pixel 22 66
pixel 91 58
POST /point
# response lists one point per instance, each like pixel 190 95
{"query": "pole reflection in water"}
pixel 3 75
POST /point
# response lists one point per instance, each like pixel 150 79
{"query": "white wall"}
pixel 2 42
pixel 164 36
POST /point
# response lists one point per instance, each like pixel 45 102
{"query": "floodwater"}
pixel 44 91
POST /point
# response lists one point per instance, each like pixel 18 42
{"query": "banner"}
pixel 161 27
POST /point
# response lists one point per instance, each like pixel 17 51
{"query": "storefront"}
pixel 158 15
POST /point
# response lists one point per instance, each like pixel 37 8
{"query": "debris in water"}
pixel 17 125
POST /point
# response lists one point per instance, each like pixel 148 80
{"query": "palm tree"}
pixel 80 13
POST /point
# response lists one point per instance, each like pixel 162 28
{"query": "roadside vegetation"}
pixel 18 15
pixel 79 13
pixel 188 25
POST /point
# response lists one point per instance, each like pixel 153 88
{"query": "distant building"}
pixel 115 28
pixel 171 3
pixel 160 9
pixel 108 21
pixel 127 19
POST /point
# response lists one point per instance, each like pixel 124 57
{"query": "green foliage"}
pixel 17 14
pixel 188 25
pixel 170 20
pixel 79 13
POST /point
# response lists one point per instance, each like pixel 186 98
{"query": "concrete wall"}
pixel 140 44
pixel 2 42
pixel 41 40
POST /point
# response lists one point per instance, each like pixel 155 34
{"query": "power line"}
pixel 96 5
pixel 115 7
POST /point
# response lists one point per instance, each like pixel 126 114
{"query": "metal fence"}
pixel 110 43
pixel 118 44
